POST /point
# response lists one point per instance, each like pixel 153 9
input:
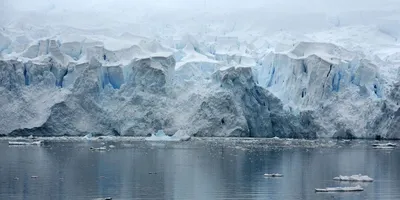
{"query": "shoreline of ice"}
pixel 244 141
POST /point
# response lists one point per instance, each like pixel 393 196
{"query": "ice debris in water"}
pixel 98 148
pixel 355 178
pixel 160 133
pixel 273 175
pixel 384 145
pixel 340 189
pixel 24 143
pixel 88 136
pixel 161 136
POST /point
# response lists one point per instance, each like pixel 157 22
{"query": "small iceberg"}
pixel 340 189
pixel 354 178
pixel 273 175
pixel 384 145
pixel 98 148
pixel 88 137
pixel 161 136
pixel 19 143
pixel 106 198
pixel 31 137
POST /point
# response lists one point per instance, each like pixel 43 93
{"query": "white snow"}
pixel 354 178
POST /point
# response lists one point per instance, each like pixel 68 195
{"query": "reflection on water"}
pixel 193 170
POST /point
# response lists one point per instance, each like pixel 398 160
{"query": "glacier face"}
pixel 343 90
pixel 229 104
pixel 76 84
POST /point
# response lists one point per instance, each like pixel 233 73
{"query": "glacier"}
pixel 225 80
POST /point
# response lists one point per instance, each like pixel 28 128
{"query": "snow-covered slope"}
pixel 262 74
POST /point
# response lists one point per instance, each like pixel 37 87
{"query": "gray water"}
pixel 199 169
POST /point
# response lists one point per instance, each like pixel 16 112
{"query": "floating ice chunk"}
pixel 106 198
pixel 384 145
pixel 161 136
pixel 355 178
pixel 340 189
pixel 88 136
pixel 273 175
pixel 107 137
pixel 181 135
pixel 98 148
pixel 276 138
pixel 24 143
pixel 111 146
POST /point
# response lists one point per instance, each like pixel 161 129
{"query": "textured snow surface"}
pixel 202 72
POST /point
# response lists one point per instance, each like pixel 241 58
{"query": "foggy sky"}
pixel 208 5
pixel 274 14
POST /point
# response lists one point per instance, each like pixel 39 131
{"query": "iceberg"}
pixel 106 198
pixel 273 175
pixel 98 148
pixel 340 189
pixel 354 178
pixel 161 136
pixel 88 136
pixel 12 143
pixel 384 145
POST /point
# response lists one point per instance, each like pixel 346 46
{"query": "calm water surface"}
pixel 199 169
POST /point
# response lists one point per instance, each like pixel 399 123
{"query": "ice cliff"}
pixel 208 86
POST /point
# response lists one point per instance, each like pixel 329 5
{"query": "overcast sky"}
pixel 210 5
